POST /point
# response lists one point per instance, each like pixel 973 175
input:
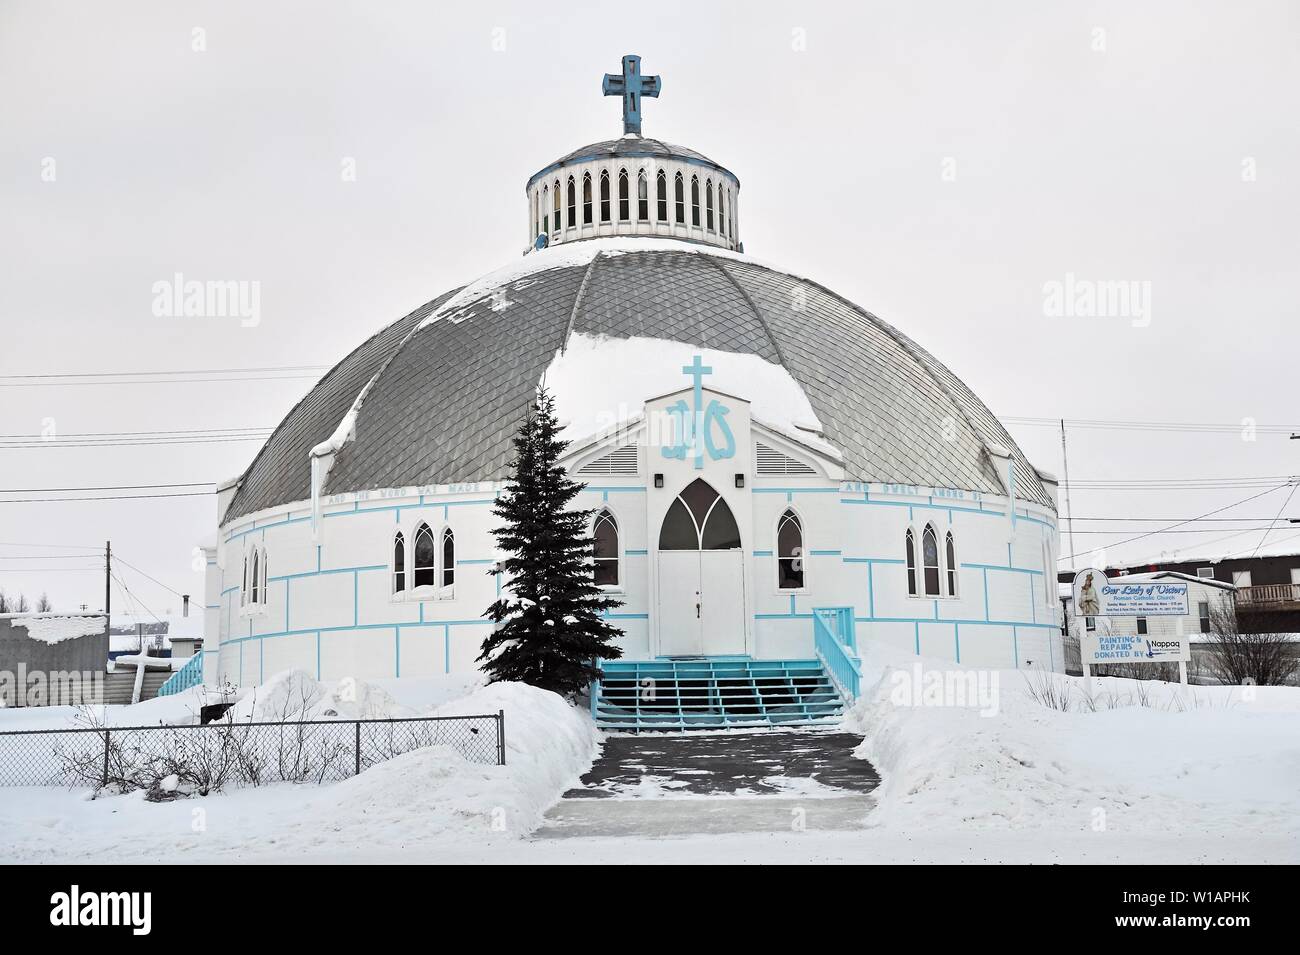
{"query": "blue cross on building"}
pixel 631 85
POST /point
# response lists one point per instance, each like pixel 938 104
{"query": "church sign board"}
pixel 1097 648
pixel 1095 596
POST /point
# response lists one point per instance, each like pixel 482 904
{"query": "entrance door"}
pixel 681 631
pixel 701 599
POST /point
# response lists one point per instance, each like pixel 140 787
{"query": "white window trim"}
pixel 776 553
pixel 918 542
pixel 425 593
pixel 247 607
pixel 621 563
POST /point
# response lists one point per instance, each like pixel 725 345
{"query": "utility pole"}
pixel 1065 462
pixel 108 571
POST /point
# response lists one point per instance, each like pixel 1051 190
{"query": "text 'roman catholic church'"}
pixel 780 478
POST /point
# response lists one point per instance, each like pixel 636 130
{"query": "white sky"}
pixel 1122 164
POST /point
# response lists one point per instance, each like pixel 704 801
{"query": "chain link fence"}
pixel 210 757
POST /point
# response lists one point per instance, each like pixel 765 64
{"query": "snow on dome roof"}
pixel 601 383
pixel 449 384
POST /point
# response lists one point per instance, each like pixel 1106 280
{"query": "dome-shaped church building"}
pixel 779 478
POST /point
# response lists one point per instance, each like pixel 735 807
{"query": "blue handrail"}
pixel 187 676
pixel 836 643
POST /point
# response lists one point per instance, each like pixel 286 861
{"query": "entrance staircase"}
pixel 713 693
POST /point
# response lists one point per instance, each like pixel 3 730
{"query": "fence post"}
pixel 358 772
pixel 104 782
pixel 501 737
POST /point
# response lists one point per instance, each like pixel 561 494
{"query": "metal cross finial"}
pixel 631 85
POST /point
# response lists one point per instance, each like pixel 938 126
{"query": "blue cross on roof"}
pixel 631 85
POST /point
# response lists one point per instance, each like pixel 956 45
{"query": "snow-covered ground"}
pixel 1128 773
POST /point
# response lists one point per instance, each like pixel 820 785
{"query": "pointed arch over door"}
pixel 699 520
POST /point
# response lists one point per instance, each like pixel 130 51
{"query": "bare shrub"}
pixel 1045 690
pixel 1235 655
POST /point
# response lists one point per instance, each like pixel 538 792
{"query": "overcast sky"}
pixel 938 163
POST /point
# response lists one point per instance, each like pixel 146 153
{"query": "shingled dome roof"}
pixel 631 147
pixel 435 397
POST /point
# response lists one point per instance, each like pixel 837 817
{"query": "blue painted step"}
pixel 714 693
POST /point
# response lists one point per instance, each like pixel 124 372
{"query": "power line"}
pixel 111 497
pixel 120 434
pixel 43 544
pixel 1166 520
pixel 31 445
pixel 168 371
pixel 1172 526
pixel 120 560
pixel 45 556
pixel 1272 523
pixel 1167 426
pixel 103 487
pixel 1203 530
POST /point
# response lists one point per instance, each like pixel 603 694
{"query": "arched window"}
pixel 572 219
pixel 399 563
pixel 605 532
pixel 586 198
pixel 425 557
pixel 555 197
pixel 911 562
pixel 642 197
pixel 699 520
pixel 604 195
pixel 243 584
pixel 679 199
pixel 448 557
pixel 722 211
pixel 546 205
pixel 257 580
pixel 930 560
pixel 624 206
pixel 789 552
pixel 708 204
pixel 661 196
pixel 695 200
pixel 950 564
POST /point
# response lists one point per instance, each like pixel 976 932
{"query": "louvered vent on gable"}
pixel 619 461
pixel 774 462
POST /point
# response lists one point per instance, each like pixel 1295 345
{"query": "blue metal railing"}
pixel 836 643
pixel 187 676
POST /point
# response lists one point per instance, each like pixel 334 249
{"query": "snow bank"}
pixel 415 806
pixel 435 791
pixel 296 695
pixel 600 383
pixel 56 627
pixel 1138 758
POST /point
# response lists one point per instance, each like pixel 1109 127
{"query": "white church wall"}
pixel 421 651
pixel 367 655
pixel 329 606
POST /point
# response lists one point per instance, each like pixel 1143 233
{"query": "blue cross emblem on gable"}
pixel 694 427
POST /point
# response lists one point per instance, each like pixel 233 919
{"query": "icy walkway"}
pixel 671 785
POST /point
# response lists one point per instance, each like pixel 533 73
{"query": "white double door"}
pixel 701 602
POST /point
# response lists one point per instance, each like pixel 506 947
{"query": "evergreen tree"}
pixel 550 630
